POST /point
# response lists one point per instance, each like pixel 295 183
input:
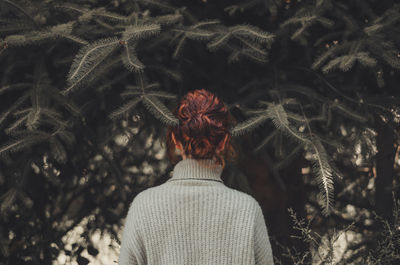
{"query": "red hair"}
pixel 203 130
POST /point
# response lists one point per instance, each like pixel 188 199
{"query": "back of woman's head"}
pixel 203 131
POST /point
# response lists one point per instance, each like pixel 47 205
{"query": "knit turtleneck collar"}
pixel 189 168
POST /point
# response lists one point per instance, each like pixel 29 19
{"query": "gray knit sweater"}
pixel 194 219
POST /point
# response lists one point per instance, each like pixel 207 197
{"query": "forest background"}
pixel 87 89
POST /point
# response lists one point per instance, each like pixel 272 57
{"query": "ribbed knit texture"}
pixel 194 219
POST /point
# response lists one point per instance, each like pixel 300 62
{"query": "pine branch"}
pixel 345 62
pixel 322 169
pixel 13 107
pixel 34 115
pixel 103 13
pixel 13 86
pixel 17 124
pixel 193 32
pixel 255 56
pixel 167 19
pixel 253 33
pixel 265 141
pixel 331 52
pixel 19 144
pixel 11 3
pixel 87 59
pixel 250 124
pixel 198 34
pixel 206 23
pixel 130 60
pixel 161 94
pixel 124 108
pixel 54 118
pixel 321 166
pixel 348 113
pixel 175 75
pixel 217 42
pixel 159 110
pixel 286 161
pixel 179 47
pixel 37 37
pixel 135 32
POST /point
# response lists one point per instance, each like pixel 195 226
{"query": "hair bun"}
pixel 203 127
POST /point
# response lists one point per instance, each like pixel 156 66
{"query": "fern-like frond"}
pixel 255 55
pixel 34 114
pixel 323 171
pixel 161 94
pixel 257 48
pixel 320 163
pixel 250 124
pixel 130 60
pixel 135 32
pixel 68 7
pixel 175 75
pixel 168 19
pixel 198 34
pixel 179 47
pixel 13 107
pixel 206 23
pixel 348 112
pixel 280 120
pixel 289 158
pixel 13 86
pixel 331 52
pixel 53 117
pixel 107 15
pixel 265 141
pixel 159 110
pixel 110 82
pixel 218 41
pixel 37 37
pixel 19 144
pixel 253 33
pixel 16 124
pixel 344 63
pixel 21 10
pixel 67 103
pixel 124 108
pixel 88 58
pixel 279 115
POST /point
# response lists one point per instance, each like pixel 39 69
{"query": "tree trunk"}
pixel 384 169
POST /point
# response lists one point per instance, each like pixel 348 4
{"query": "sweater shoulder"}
pixel 155 194
pixel 245 198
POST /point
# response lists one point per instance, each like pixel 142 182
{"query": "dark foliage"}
pixel 87 87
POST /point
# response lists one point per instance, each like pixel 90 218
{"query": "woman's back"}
pixel 195 219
